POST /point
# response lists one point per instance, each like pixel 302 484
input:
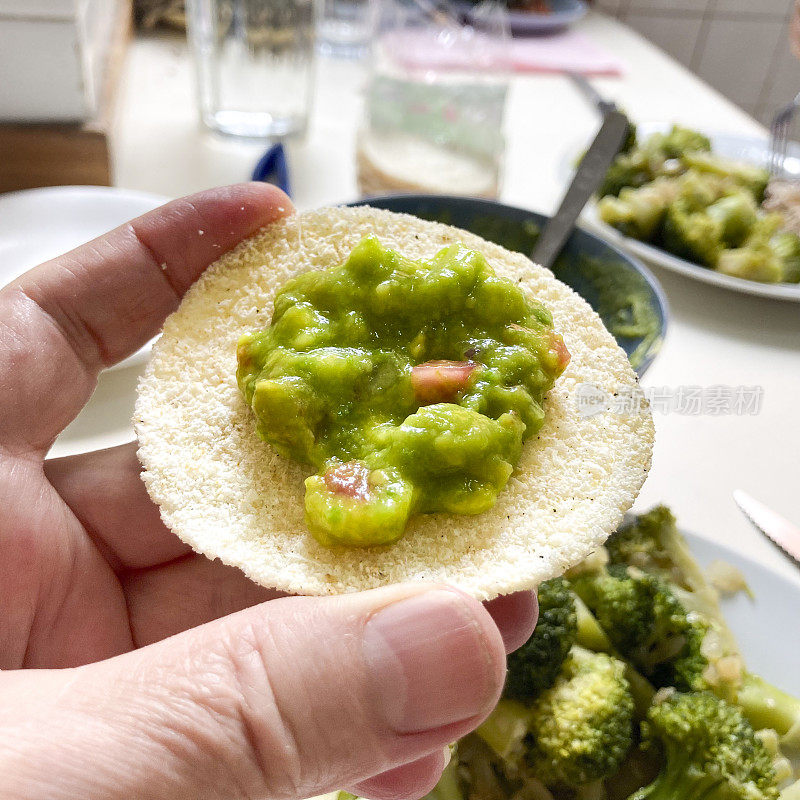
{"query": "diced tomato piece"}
pixel 440 381
pixel 350 479
pixel 560 349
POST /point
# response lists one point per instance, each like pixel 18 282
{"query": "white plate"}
pixel 743 148
pixel 39 224
pixel 766 626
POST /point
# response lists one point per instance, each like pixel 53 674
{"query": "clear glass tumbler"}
pixel 255 64
pixel 346 27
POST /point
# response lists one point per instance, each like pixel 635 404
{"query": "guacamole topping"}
pixel 409 386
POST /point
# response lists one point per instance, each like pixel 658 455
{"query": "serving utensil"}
pixel 591 94
pixel 588 175
pixel 776 528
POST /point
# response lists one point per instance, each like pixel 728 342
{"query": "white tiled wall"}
pixel 739 46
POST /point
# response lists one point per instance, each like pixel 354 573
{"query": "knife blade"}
pixel 775 527
pixel 590 172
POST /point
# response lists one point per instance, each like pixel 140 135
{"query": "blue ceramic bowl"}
pixel 618 286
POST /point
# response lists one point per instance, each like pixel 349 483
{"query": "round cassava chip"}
pixel 230 496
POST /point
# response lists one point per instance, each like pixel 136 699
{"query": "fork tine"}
pixel 780 130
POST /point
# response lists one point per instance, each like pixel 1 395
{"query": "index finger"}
pixel 64 321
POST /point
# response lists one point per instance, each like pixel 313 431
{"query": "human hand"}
pixel 153 672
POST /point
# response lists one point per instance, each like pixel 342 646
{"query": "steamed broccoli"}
pixel 652 544
pixel 748 176
pixel 736 213
pixel 647 625
pixel 751 263
pixel 630 138
pixel 711 752
pixel 680 141
pixel 786 247
pixel 582 727
pixel 693 235
pixel 629 169
pixel 534 667
pixel 639 163
pixel 638 212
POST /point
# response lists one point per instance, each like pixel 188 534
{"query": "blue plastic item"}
pixel 273 168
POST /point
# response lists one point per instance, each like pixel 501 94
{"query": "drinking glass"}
pixel 255 64
pixel 435 101
pixel 346 27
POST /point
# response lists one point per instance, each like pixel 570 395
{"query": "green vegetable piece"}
pixel 766 706
pixel 505 729
pixel 629 169
pixel 786 247
pixel 535 666
pixel 653 544
pixel 680 141
pixel 736 214
pixel 751 263
pixel 711 752
pixel 749 176
pixel 590 634
pixel 693 235
pixel 582 727
pixel 647 625
pixel 638 212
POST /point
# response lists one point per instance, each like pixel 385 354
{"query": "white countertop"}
pixel 716 337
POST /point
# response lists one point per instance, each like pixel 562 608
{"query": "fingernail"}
pixel 430 661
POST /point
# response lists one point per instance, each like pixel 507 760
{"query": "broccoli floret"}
pixel 693 235
pixel 647 625
pixel 748 176
pixel 786 247
pixel 710 751
pixel 766 706
pixel 751 263
pixel 582 727
pixel 638 212
pixel 638 164
pixel 647 542
pixel 756 259
pixel 629 169
pixel 736 213
pixel 652 543
pixel 505 729
pixel 684 140
pixel 534 667
pixel 630 139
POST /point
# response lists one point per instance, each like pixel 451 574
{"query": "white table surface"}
pixel 715 336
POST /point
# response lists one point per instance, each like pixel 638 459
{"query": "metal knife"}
pixel 591 94
pixel 590 172
pixel 775 527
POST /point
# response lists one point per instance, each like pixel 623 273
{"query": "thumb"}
pixel 288 699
